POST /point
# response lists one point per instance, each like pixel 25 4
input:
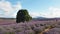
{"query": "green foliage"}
pixel 23 16
pixel 52 26
pixel 9 33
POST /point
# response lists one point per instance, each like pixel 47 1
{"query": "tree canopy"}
pixel 22 16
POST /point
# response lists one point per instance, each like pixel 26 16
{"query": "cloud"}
pixel 9 9
pixel 34 14
pixel 51 12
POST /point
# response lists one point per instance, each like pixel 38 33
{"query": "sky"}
pixel 36 8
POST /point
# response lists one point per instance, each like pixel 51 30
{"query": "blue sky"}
pixel 43 8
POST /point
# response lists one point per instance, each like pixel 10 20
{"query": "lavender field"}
pixel 31 27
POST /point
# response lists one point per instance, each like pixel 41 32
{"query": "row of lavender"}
pixel 55 30
pixel 32 27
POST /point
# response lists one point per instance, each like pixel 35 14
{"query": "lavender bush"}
pixel 32 27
